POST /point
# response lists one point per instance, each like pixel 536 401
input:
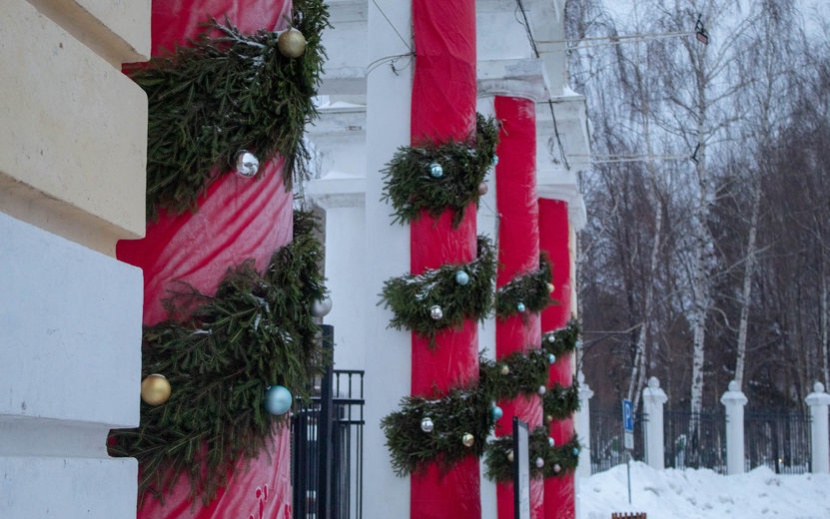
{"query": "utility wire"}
pixel 408 46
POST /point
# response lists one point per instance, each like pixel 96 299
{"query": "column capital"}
pixel 818 396
pixel 333 191
pixel 734 396
pixel 653 393
pixel 525 78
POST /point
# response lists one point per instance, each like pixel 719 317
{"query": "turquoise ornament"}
pixel 520 307
pixel 551 358
pixel 278 400
pixel 462 278
pixel 496 412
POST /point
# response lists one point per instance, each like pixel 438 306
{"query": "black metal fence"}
pixel 777 439
pixel 327 447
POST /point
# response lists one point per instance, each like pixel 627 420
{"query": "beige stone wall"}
pixel 72 126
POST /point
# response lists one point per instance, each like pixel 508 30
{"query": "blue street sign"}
pixel 628 424
pixel 628 416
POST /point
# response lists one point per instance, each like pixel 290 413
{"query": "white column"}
pixel 583 427
pixel 818 401
pixel 653 399
pixel 387 351
pixel 734 401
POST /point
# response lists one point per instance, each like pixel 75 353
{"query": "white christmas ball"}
pixel 321 307
pixel 247 164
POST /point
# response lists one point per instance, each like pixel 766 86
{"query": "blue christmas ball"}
pixel 495 159
pixel 278 400
pixel 578 344
pixel 496 412
pixel 551 358
pixel 435 170
pixel 520 307
pixel 462 278
pixel 576 451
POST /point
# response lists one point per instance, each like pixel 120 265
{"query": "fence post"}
pixel 734 401
pixel 653 399
pixel 583 427
pixel 818 401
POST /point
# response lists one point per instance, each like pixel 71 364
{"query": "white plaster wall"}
pixel 70 363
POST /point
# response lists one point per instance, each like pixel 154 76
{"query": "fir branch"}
pixel 530 290
pixel 256 331
pixel 564 457
pixel 526 372
pixel 411 189
pixel 562 342
pixel 223 94
pixel 561 402
pixel 411 297
pixel 459 412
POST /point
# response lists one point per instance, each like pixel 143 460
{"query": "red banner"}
pixel 443 107
pixel 238 219
pixel 518 255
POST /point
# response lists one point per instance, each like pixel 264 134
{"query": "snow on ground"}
pixel 704 494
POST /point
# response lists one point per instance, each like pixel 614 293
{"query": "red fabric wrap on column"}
pixel 443 108
pixel 554 238
pixel 518 254
pixel 237 219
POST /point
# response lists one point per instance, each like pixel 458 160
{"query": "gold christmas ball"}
pixel 468 440
pixel 510 455
pixel 291 43
pixel 155 389
pixel 548 418
pixel 550 288
pixel 505 370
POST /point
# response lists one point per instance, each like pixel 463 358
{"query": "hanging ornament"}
pixel 155 389
pixel 548 418
pixel 540 463
pixel 426 424
pixel 468 440
pixel 542 390
pixel 578 344
pixel 496 412
pixel 321 307
pixel 557 468
pixel 278 400
pixel 510 455
pixel 504 370
pixel 576 451
pixel 483 188
pixel 462 278
pixel 520 307
pixel 551 358
pixel 550 288
pixel 495 160
pixel 291 43
pixel 435 170
pixel 436 313
pixel 551 442
pixel 247 164
pixel 551 339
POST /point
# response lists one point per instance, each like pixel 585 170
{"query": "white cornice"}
pixel 523 78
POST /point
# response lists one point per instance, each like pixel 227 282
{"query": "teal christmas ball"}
pixel 278 400
pixel 576 451
pixel 551 442
pixel 551 358
pixel 435 170
pixel 462 278
pixel 496 412
pixel 520 307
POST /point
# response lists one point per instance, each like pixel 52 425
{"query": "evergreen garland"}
pixel 220 95
pixel 560 402
pixel 411 297
pixel 526 373
pixel 459 412
pixel 531 290
pixel 565 457
pixel 561 342
pixel 411 188
pixel 220 355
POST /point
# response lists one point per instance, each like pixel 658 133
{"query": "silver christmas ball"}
pixel 426 424
pixel 483 188
pixel 557 468
pixel 436 313
pixel 435 170
pixel 542 390
pixel 247 164
pixel 551 442
pixel 321 307
pixel 540 463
